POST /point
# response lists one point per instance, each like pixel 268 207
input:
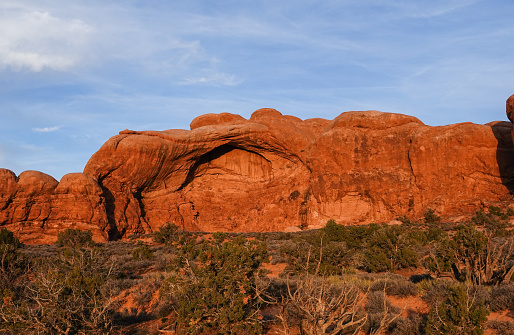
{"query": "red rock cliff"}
pixel 274 171
pixel 271 172
pixel 36 207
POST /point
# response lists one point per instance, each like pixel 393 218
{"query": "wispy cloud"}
pixel 46 129
pixel 35 39
pixel 214 79
pixel 158 64
pixel 431 9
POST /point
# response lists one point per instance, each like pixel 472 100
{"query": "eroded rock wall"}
pixel 275 171
pixel 268 173
pixel 36 207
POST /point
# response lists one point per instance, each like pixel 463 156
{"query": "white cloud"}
pixel 215 79
pixel 35 39
pixel 46 129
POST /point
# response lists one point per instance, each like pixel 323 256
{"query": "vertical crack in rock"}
pixel 409 153
pixel 138 196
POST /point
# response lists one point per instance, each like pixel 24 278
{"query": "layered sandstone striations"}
pixel 271 172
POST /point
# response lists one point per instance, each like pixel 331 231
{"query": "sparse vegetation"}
pixel 212 285
pixel 337 280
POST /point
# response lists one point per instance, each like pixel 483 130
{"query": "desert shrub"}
pixel 473 256
pixel 389 248
pixel 441 257
pixel 142 251
pixel 316 254
pixel 75 239
pixel 410 325
pixel 458 313
pixel 380 313
pixel 71 293
pixel 435 234
pixel 315 305
pixel 9 255
pixel 213 286
pixel 377 302
pixel 170 235
pixel 501 327
pixel 430 217
pixel 494 220
pixel 406 221
pixel 502 298
pixel 7 238
pixel 373 248
pixel 435 291
pixel 352 236
pixel 395 286
pixel 12 266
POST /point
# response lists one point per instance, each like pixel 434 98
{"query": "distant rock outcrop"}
pixel 36 207
pixel 270 173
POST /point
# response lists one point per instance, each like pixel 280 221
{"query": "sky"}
pixel 75 73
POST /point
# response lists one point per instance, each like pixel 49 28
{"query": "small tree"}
pixel 213 286
pixel 473 256
pixel 322 307
pixel 458 314
pixel 389 248
pixel 12 266
pixel 430 217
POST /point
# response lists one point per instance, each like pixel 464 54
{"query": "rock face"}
pixel 275 171
pixel 37 207
pixel 271 172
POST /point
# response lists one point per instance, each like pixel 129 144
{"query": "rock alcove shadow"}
pixel 505 153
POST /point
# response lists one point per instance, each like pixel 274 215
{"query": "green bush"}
pixel 373 248
pixel 142 251
pixel 431 217
pixel 9 246
pixel 494 221
pixel 501 327
pixel 389 248
pixel 7 238
pixel 75 239
pixel 459 313
pixel 325 258
pixel 213 286
pixel 380 313
pixel 410 325
pixel 170 235
pixel 441 258
pixel 12 265
pixel 471 255
pixel 70 293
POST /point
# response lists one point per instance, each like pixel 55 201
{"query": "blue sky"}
pixel 74 73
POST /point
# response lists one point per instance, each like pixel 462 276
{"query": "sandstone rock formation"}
pixel 274 171
pixel 271 172
pixel 36 207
